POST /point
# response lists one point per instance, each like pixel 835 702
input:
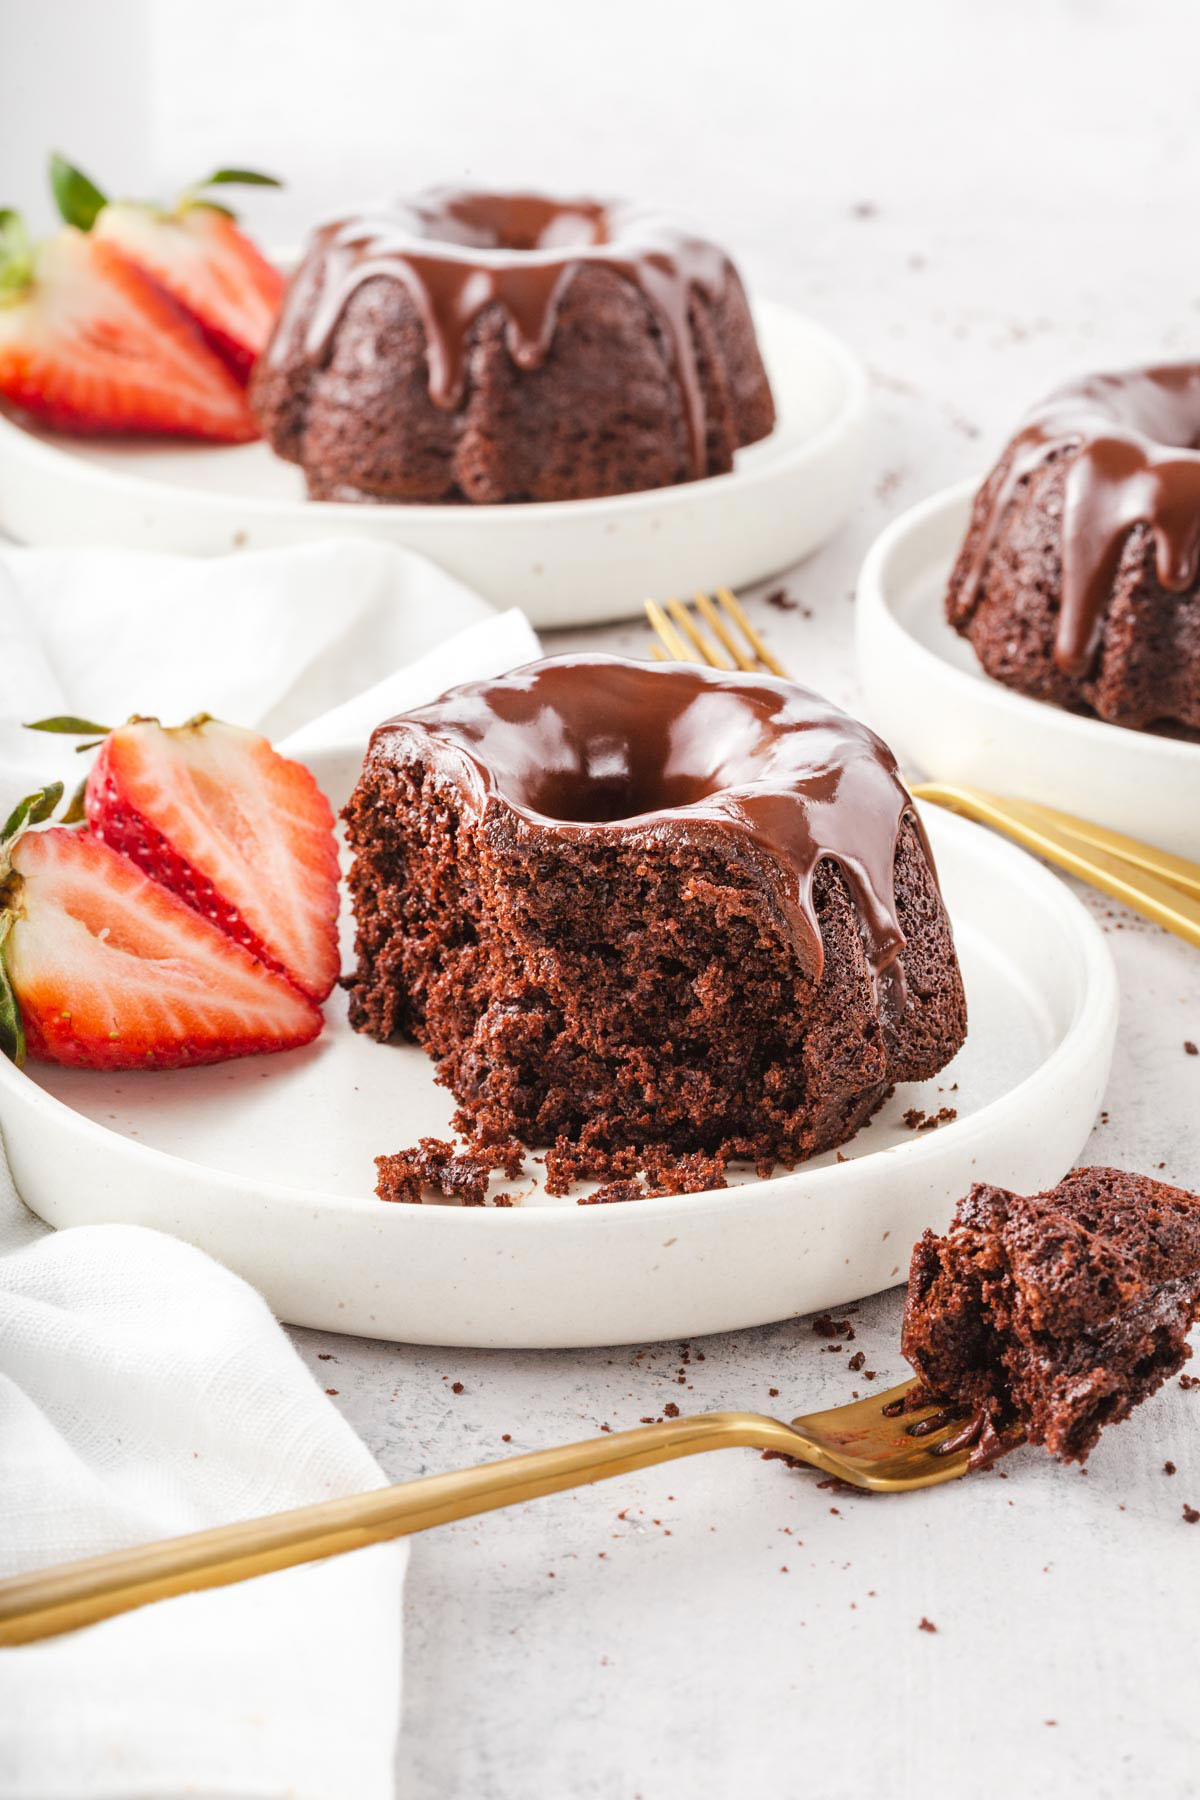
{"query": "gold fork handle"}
pixel 60 1599
pixel 1160 863
pixel 1143 883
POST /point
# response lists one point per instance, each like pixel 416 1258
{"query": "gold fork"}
pixel 1159 886
pixel 874 1443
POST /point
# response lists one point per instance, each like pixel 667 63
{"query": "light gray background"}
pixel 981 199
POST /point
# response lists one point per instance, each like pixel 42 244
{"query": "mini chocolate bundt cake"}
pixel 1079 580
pixel 630 907
pixel 1052 1317
pixel 507 347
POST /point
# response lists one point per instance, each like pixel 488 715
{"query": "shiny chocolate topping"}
pixel 460 253
pixel 632 751
pixel 1135 442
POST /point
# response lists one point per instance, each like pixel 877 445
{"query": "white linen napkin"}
pixel 144 1390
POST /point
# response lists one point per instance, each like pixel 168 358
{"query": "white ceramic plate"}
pixel 268 1164
pixel 564 563
pixel 927 695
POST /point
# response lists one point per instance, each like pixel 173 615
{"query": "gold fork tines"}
pixel 1162 888
pixel 684 640
pixel 875 1443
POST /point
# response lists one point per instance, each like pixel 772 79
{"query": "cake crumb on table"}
pixel 926 1625
pixel 828 1327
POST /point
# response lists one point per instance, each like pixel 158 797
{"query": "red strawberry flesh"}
pixel 91 345
pixel 208 267
pixel 237 831
pixel 113 972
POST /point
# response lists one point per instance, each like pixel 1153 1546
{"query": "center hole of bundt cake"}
pixel 524 222
pixel 593 744
pixel 593 795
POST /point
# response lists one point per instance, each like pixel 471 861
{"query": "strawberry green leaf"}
pixel 66 726
pixel 17 819
pixel 12 1032
pixel 35 809
pixel 45 803
pixel 16 254
pixel 240 178
pixel 78 199
pixel 76 813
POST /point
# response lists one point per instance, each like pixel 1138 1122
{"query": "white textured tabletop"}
pixel 980 200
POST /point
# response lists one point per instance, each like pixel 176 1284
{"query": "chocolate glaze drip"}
pixel 1136 439
pixel 600 746
pixel 460 253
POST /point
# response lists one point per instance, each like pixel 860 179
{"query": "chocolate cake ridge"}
pixel 1079 577
pixel 629 908
pixel 495 347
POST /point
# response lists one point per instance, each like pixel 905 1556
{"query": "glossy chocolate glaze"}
pixel 460 253
pixel 1136 439
pixel 624 750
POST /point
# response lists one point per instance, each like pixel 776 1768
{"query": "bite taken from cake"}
pixel 641 912
pixel 1079 578
pixel 489 348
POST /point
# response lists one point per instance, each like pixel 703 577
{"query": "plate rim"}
pixel 1096 1010
pixel 874 608
pixel 50 450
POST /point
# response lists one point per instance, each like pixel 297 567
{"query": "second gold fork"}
pixel 1159 886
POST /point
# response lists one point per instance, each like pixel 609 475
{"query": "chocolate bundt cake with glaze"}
pixel 1052 1317
pixel 508 347
pixel 1079 580
pixel 630 907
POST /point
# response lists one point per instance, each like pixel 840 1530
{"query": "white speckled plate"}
pixel 927 695
pixel 268 1163
pixel 565 563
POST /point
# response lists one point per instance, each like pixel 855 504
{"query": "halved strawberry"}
pixel 88 344
pixel 111 971
pixel 209 268
pixel 236 830
pixel 193 251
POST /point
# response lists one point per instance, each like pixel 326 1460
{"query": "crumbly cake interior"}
pixel 1053 1317
pixel 609 1003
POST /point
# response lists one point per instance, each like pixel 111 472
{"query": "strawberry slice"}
pixel 88 344
pixel 236 830
pixel 208 267
pixel 111 971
